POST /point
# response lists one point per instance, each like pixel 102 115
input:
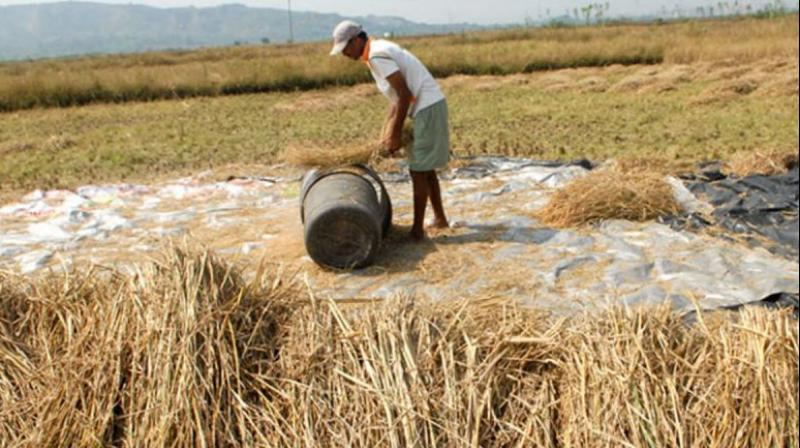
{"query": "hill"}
pixel 73 28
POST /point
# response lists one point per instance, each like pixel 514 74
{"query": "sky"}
pixel 483 12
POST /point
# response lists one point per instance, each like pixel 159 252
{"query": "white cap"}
pixel 344 31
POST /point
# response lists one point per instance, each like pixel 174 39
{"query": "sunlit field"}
pixel 687 112
pixel 307 66
pixel 691 91
pixel 125 336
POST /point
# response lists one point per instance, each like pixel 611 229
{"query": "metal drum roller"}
pixel 346 212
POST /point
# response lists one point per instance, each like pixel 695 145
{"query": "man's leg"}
pixel 420 184
pixel 436 201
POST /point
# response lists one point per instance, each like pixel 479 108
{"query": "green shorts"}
pixel 431 148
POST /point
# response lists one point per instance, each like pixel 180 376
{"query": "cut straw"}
pixel 186 352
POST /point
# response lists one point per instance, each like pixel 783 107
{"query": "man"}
pixel 413 92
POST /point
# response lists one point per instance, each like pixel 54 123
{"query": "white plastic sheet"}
pixel 496 246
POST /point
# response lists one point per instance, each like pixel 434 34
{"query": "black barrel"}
pixel 346 212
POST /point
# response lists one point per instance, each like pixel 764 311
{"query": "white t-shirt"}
pixel 387 57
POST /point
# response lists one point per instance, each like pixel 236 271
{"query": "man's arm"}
pixel 388 123
pixel 398 112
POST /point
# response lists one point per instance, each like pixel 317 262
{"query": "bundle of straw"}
pixel 769 162
pixel 170 356
pixel 312 154
pixel 490 374
pixel 316 156
pixel 185 352
pixel 608 193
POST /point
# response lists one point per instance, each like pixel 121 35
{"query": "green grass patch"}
pixel 142 141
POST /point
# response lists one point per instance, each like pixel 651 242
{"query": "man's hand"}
pixel 392 143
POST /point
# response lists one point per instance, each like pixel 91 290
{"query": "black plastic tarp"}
pixel 752 205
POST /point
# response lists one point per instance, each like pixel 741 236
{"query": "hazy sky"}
pixel 447 11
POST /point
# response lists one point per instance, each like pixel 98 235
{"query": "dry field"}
pixel 212 72
pixel 708 90
pixel 680 112
pixel 191 350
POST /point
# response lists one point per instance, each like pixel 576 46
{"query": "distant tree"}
pixel 265 40
pixel 601 9
pixel 701 11
pixel 587 13
pixel 528 20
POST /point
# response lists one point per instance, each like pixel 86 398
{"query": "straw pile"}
pixel 314 155
pixel 186 353
pixel 632 193
pixel 170 356
pixel 769 162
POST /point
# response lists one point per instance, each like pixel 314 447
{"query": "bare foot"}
pixel 417 235
pixel 440 224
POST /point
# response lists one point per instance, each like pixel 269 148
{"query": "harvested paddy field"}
pixel 687 113
pixel 621 267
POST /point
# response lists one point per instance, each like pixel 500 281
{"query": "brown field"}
pixel 213 72
pixel 189 349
